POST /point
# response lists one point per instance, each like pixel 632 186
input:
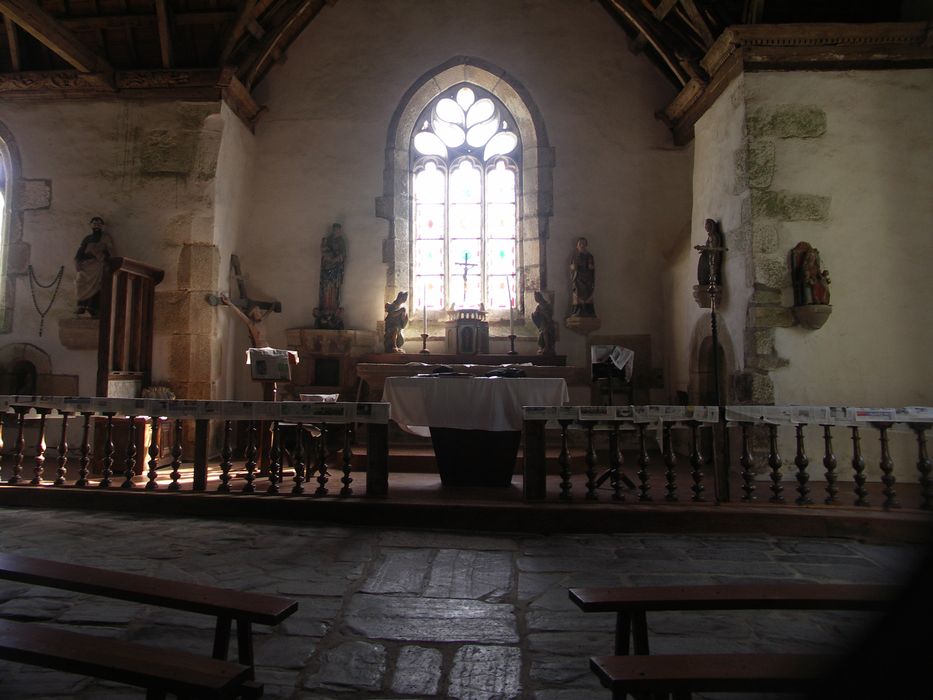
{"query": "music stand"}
pixel 607 370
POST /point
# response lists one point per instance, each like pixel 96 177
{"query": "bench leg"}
pixel 222 638
pixel 244 638
pixel 640 631
pixel 623 632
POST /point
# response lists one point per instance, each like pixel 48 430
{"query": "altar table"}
pixel 474 423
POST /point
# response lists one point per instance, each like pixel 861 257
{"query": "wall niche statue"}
pixel 543 318
pixel 582 317
pixel 396 320
pixel 95 250
pixel 329 313
pixel 811 286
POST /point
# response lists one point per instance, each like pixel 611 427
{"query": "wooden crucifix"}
pixel 466 269
pixel 250 311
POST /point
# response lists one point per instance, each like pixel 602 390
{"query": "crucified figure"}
pixel 253 320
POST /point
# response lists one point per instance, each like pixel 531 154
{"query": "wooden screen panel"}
pixel 126 320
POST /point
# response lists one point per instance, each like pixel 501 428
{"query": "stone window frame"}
pixel 537 163
pixel 11 227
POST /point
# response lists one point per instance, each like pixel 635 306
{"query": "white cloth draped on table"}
pixel 468 403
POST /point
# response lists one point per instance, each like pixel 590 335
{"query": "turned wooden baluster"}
pixel 175 474
pixel 643 462
pixel 275 461
pixel 226 451
pixel 802 462
pixel 347 459
pixel 615 463
pixel 298 488
pixel 130 462
pixel 858 466
pixel 774 461
pixel 252 434
pixel 887 469
pixel 591 460
pixel 85 459
pixel 20 445
pixel 321 466
pixel 829 462
pixel 40 448
pixel 924 466
pixel 107 463
pixel 63 450
pixel 696 462
pixel 670 462
pixel 154 445
pixel 563 459
pixel 747 460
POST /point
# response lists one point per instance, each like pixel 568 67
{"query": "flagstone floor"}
pixel 390 613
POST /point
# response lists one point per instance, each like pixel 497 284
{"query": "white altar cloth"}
pixel 468 403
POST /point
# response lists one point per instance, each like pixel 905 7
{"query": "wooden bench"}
pixel 713 672
pixel 160 671
pixel 224 604
pixel 681 674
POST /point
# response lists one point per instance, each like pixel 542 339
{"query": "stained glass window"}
pixel 465 177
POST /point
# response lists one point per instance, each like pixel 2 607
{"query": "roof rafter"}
pixel 48 31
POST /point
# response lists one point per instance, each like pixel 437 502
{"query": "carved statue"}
pixel 333 258
pixel 709 267
pixel 396 320
pixel 582 280
pixel 811 281
pixel 253 320
pixel 543 318
pixel 95 250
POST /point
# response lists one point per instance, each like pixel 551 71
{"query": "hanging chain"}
pixel 34 282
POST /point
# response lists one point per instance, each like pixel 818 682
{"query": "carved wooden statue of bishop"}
pixel 329 314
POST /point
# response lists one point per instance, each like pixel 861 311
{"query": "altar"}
pixel 474 423
pixel 373 370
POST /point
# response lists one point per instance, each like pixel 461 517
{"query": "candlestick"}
pixel 424 305
pixel 508 288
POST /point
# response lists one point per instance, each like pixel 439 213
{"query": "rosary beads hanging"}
pixel 34 282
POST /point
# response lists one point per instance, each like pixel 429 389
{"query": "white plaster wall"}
pixel 320 149
pixel 874 163
pixel 718 193
pixel 91 152
pixel 233 199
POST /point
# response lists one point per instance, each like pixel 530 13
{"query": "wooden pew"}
pixel 224 604
pixel 159 670
pixel 683 673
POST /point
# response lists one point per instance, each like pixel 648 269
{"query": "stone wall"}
pixel 148 169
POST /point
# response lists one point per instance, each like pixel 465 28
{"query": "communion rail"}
pixel 98 416
pixel 291 467
pixel 756 426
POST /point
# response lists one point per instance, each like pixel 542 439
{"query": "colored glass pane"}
pixel 429 257
pixel 466 220
pixel 499 291
pixel 482 111
pixel 465 183
pixel 450 111
pixel 428 144
pixel 500 184
pixel 500 220
pixel 429 185
pixel 502 143
pixel 500 256
pixel 429 221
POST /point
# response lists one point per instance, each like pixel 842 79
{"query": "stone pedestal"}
pixel 79 333
pixel 327 359
pixel 584 325
pixel 812 316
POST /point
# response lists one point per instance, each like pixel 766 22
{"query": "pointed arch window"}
pixel 465 166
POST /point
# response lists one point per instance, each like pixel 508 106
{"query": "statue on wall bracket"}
pixel 329 314
pixel 396 320
pixel 811 286
pixel 95 250
pixel 582 318
pixel 709 266
pixel 543 318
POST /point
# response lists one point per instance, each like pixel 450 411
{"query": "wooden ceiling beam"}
pixel 51 34
pixel 645 23
pixel 135 21
pixel 273 47
pixel 665 6
pixel 251 10
pixel 12 40
pixel 165 33
pixel 698 23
